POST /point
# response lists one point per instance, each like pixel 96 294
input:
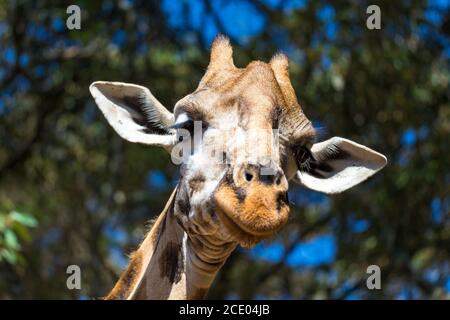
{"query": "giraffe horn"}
pixel 221 59
pixel 295 118
pixel 221 54
pixel 280 66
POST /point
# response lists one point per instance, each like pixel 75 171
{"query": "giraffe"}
pixel 230 193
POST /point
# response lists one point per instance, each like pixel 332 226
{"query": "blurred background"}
pixel 73 192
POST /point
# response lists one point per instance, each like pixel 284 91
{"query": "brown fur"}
pixel 199 293
pixel 256 218
pixel 196 183
pixel 128 279
pixel 172 262
pixel 261 91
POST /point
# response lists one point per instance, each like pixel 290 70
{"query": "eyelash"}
pixel 187 125
pixel 303 158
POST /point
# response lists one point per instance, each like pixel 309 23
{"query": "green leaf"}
pixel 24 218
pixel 22 232
pixel 9 256
pixel 423 258
pixel 11 240
pixel 2 222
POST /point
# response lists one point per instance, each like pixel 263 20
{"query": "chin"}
pixel 253 219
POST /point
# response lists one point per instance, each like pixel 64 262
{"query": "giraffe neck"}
pixel 171 265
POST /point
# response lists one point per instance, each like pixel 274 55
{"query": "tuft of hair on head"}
pixel 221 52
pixel 280 66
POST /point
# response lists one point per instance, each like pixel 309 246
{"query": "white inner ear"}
pixel 345 163
pixel 127 122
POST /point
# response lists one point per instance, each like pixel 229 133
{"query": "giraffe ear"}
pixel 338 164
pixel 134 113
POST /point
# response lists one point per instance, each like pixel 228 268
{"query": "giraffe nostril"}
pixel 278 180
pixel 282 200
pixel 248 176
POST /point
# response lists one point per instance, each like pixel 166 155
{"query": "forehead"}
pixel 250 96
pixel 250 89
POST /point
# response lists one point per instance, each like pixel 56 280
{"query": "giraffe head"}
pixel 238 139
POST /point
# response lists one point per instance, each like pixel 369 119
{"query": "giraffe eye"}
pixel 184 121
pixel 188 124
pixel 188 120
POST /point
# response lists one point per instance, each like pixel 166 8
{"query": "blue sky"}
pixel 247 20
pixel 320 250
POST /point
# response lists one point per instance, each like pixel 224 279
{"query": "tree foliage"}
pixel 89 194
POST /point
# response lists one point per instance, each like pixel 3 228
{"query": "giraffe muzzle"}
pixel 251 203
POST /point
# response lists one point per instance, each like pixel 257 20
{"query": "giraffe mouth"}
pixel 243 236
pixel 259 216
